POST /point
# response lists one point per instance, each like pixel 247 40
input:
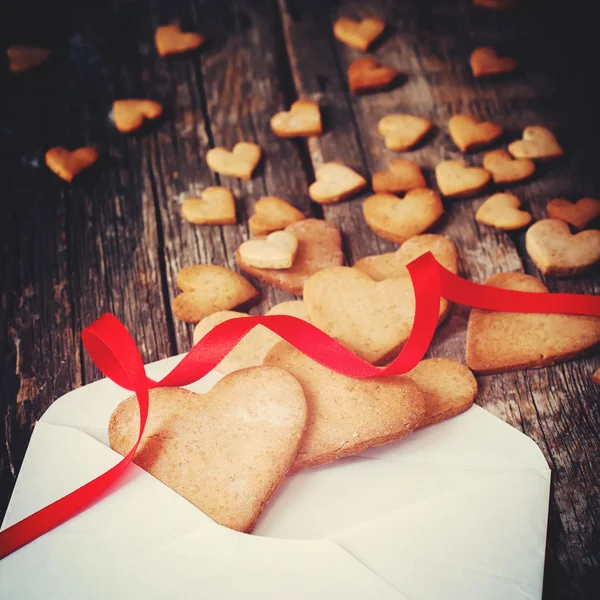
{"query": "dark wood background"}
pixel 114 240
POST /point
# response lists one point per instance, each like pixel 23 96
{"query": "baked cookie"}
pixel 456 180
pixel 358 34
pixel 365 75
pixel 506 169
pixel 402 132
pixel 240 162
pixel 129 115
pixel 485 62
pixel 276 251
pixel 216 206
pixel 580 214
pixel 502 212
pixel 24 58
pixel 272 214
pixel 402 176
pixel 302 120
pixel 537 143
pixel 467 133
pixel 67 164
pixel 335 182
pixel 169 40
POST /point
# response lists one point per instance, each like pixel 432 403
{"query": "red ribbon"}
pixel 115 353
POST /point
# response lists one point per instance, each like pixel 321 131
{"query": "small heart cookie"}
pixel 68 164
pixel 240 162
pixel 449 387
pixel 371 318
pixel 468 134
pixel 225 451
pixel 504 341
pixel 393 264
pixel 506 169
pixel 402 175
pixel 344 415
pixel 302 120
pixel 396 219
pixel 485 61
pixel 169 39
pixel 402 132
pixel 129 115
pixel 596 377
pixel 208 289
pixel 456 180
pixel 272 214
pixel 358 34
pixel 335 182
pixel 319 247
pixel 216 206
pixel 23 58
pixel 366 75
pixel 276 251
pixel 502 211
pixel 253 347
pixel 537 143
pixel 579 214
pixel 557 252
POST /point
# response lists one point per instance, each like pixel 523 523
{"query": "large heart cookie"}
pixel 398 219
pixel 485 61
pixel 456 180
pixel 393 264
pixel 506 169
pixel 319 247
pixel 502 211
pixel 334 182
pixel 276 251
pixel 216 206
pixel 537 143
pixel 580 214
pixel 68 164
pixel 371 318
pixel 365 75
pixel 345 415
pixel 557 252
pixel 225 451
pixel 169 39
pixel 503 341
pixel 272 214
pixel 252 349
pixel 302 120
pixel 23 58
pixel 402 175
pixel 208 289
pixel 358 34
pixel 468 134
pixel 240 162
pixel 129 115
pixel 402 132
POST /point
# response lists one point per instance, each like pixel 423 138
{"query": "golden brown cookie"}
pixel 506 169
pixel 169 39
pixel 402 175
pixel 485 61
pixel 537 143
pixel 358 34
pixel 319 247
pixel 216 206
pixel 240 162
pixel 557 252
pixel 397 219
pixel 276 251
pixel 365 75
pixel 502 211
pixel 23 58
pixel 302 120
pixel 334 182
pixel 580 214
pixel 503 341
pixel 393 264
pixel 402 132
pixel 68 164
pixel 456 180
pixel 129 115
pixel 344 415
pixel 467 133
pixel 596 377
pixel 225 451
pixel 272 214
pixel 208 289
pixel 371 318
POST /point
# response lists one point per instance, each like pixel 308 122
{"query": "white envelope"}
pixel 457 510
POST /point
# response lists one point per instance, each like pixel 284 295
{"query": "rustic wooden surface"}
pixel 114 240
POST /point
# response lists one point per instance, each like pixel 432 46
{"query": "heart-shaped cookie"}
pixel 344 415
pixel 276 251
pixel 208 289
pixel 579 214
pixel 468 134
pixel 240 162
pixel 485 61
pixel 225 451
pixel 169 39
pixel 365 75
pixel 252 349
pixel 272 214
pixel 503 341
pixel 596 377
pixel 449 388
pixel 371 318
pixel 393 264
pixel 456 180
pixel 335 182
pixel 506 169
pixel 358 34
pixel 129 115
pixel 402 175
pixel 302 120
pixel 67 164
pixel 537 143
pixel 502 211
pixel 397 219
pixel 23 58
pixel 557 252
pixel 402 132
pixel 216 206
pixel 319 247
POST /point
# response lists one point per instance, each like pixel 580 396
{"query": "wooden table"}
pixel 114 240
